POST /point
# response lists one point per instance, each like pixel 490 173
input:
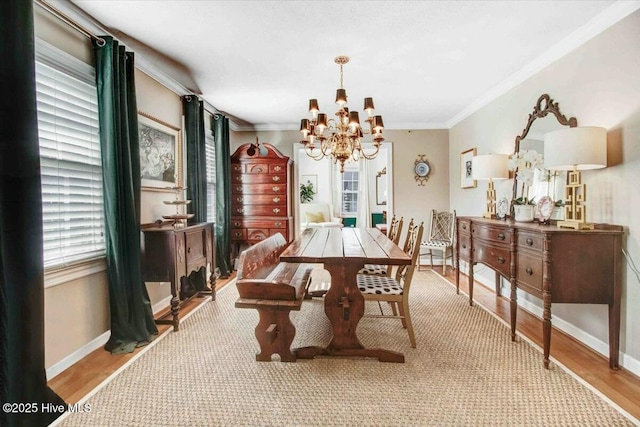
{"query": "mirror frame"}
pixel 543 107
pixel 380 202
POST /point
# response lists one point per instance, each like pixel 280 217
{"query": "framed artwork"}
pixel 310 179
pixel 160 154
pixel 466 173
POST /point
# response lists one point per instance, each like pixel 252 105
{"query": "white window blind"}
pixel 210 158
pixel 73 218
pixel 350 192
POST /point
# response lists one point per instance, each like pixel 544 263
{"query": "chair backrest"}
pixel 442 228
pixel 406 241
pixel 395 229
pixel 404 273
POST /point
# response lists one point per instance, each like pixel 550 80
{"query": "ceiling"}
pixel 427 64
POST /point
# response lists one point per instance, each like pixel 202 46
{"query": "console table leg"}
pixel 175 304
pixel 471 283
pixel 546 326
pixel 513 308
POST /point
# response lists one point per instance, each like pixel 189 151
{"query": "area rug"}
pixel 464 371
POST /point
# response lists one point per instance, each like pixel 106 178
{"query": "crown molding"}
pixel 610 16
pixel 289 126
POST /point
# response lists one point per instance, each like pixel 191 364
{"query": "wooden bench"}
pixel 273 288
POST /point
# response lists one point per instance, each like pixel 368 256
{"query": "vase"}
pixel 523 213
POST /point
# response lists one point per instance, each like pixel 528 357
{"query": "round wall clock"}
pixel 421 169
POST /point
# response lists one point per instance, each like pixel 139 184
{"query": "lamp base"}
pixel 488 215
pixel 576 225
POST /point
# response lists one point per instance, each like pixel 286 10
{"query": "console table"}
pixel 555 264
pixel 171 254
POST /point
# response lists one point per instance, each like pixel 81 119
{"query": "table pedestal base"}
pixel 380 354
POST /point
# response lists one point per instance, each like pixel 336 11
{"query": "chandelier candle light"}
pixel 344 141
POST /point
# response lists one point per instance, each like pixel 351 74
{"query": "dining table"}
pixel 343 252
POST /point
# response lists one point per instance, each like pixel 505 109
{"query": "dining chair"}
pixel 395 290
pixel 395 229
pixel 441 238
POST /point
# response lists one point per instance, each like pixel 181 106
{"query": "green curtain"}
pixel 22 369
pixel 132 322
pixel 196 157
pixel 223 195
pixel 193 110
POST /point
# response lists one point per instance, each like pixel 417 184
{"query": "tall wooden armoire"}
pixel 261 194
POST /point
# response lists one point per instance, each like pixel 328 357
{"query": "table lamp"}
pixel 575 149
pixel 490 167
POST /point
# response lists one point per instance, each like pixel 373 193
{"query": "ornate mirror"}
pixel 544 118
pixel 381 187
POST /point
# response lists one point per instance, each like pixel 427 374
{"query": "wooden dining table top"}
pixel 344 245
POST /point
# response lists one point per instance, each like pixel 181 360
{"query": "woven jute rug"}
pixel 465 371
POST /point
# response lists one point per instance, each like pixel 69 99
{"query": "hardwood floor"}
pixel 621 387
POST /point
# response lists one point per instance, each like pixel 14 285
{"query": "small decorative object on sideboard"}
pixel 502 208
pixel 179 218
pixel 544 209
pixel 525 163
pixel 523 209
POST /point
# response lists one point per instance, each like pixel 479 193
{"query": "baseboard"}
pixel 77 355
pixel 627 362
pixel 161 305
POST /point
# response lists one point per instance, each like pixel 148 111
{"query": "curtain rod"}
pixel 70 22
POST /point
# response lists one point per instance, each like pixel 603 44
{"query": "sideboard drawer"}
pixel 497 257
pixel 529 274
pixel 464 226
pixel 530 240
pixel 496 234
pixel 465 246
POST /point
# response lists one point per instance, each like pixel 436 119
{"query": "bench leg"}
pixel 275 333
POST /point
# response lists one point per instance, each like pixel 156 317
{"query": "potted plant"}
pixel 524 163
pixel 524 209
pixel 306 192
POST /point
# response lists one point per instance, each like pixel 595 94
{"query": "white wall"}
pixel 599 84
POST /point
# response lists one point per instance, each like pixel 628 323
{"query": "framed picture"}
pixel 310 179
pixel 160 154
pixel 466 173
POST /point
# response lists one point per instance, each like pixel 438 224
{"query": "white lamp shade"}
pixel 580 147
pixel 490 166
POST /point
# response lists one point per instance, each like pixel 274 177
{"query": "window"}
pixel 210 159
pixel 71 170
pixel 349 192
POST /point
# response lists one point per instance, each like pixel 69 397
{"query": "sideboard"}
pixel 170 254
pixel 555 264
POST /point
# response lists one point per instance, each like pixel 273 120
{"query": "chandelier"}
pixel 344 139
